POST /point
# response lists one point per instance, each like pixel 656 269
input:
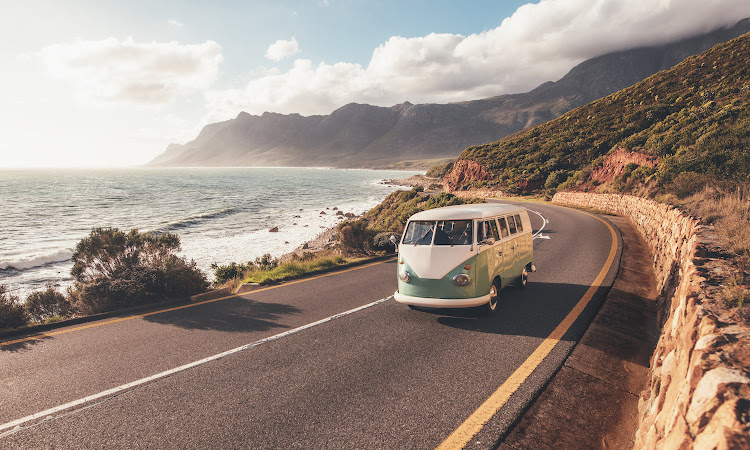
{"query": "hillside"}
pixel 675 131
pixel 358 135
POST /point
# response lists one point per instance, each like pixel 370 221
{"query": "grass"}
pixel 295 269
pixel 729 212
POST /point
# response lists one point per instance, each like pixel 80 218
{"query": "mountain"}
pixel 358 135
pixel 674 132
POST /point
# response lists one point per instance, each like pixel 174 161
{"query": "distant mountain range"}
pixel 360 135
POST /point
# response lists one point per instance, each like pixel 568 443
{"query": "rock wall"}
pixel 698 394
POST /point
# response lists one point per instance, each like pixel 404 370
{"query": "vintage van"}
pixel 462 256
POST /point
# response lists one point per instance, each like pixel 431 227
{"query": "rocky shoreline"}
pixel 427 183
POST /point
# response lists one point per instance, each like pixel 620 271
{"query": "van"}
pixel 462 256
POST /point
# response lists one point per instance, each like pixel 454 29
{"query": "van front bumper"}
pixel 441 302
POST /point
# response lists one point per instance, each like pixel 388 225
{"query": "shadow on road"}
pixel 534 311
pixel 22 346
pixel 235 314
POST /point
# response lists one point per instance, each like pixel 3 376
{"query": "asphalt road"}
pixel 381 377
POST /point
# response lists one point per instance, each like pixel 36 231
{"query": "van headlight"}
pixel 404 276
pixel 461 279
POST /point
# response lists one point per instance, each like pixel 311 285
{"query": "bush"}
pixel 113 270
pixel 356 236
pixel 44 305
pixel 555 178
pixel 12 312
pixel 230 271
pixel 689 183
pixel 234 271
pixel 382 242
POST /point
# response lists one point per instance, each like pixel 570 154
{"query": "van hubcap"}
pixel 493 297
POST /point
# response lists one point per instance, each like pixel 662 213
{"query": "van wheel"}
pixel 523 279
pixel 490 307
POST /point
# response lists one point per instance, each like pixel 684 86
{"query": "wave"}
pixel 196 220
pixel 37 261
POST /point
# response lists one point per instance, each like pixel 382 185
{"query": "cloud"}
pixel 111 70
pixel 538 43
pixel 282 49
pixel 175 22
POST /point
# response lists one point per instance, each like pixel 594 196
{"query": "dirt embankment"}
pixel 615 163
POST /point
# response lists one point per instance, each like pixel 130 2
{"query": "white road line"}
pixel 538 233
pixel 11 427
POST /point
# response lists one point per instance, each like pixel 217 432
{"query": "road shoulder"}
pixel 592 401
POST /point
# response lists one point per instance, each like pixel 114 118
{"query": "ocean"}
pixel 222 215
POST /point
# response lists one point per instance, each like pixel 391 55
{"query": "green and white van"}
pixel 462 256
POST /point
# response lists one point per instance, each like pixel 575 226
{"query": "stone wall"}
pixel 698 394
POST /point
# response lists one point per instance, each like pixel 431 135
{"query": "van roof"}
pixel 463 212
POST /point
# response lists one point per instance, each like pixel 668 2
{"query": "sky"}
pixel 103 83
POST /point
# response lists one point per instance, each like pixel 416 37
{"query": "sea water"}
pixel 221 215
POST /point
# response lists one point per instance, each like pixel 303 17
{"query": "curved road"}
pixel 382 376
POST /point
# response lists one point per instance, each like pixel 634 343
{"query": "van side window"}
pixel 503 227
pixel 512 225
pixel 487 229
pixel 519 224
pixel 419 233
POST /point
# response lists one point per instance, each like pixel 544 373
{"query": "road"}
pixel 383 376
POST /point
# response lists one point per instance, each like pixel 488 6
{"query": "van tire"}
pixel 523 279
pixel 490 307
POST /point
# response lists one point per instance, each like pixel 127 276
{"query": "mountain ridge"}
pixel 361 135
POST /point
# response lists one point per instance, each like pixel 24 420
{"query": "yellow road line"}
pixel 122 319
pixel 471 426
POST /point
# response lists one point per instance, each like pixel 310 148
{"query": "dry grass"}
pixel 729 212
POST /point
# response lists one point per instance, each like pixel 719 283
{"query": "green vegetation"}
pixel 296 268
pixel 439 171
pixel 391 215
pixel 695 118
pixel 266 270
pixel 47 305
pixel 12 312
pixel 113 270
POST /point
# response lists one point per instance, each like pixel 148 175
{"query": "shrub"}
pixel 12 312
pixel 356 236
pixel 688 183
pixel 113 269
pixel 233 270
pixel 230 271
pixel 47 304
pixel 382 242
pixel 555 178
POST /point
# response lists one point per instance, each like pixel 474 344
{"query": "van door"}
pixel 516 247
pixel 505 251
pixel 488 242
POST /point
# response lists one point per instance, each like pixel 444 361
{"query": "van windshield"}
pixel 453 232
pixel 419 233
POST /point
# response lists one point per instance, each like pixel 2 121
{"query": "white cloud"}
pixel 175 22
pixel 282 49
pixel 112 70
pixel 538 43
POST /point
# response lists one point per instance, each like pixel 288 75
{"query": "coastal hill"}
pixel 674 132
pixel 359 135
